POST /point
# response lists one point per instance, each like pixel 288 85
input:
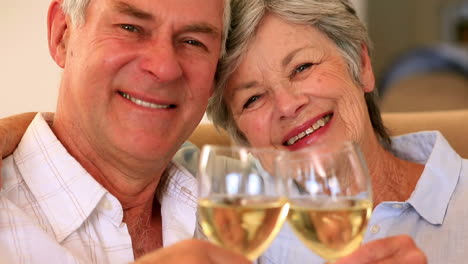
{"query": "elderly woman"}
pixel 298 73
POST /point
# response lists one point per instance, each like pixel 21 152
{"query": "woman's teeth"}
pixel 143 103
pixel 320 123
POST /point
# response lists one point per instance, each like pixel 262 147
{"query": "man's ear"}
pixel 367 74
pixel 57 28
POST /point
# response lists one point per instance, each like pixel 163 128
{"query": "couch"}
pixel 452 124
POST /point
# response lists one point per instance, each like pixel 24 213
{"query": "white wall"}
pixel 29 77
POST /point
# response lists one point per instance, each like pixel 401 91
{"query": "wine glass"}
pixel 241 203
pixel 330 196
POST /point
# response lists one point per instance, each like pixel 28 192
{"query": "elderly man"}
pixel 96 182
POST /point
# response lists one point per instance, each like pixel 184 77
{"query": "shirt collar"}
pixel 440 176
pixel 64 190
pixel 178 198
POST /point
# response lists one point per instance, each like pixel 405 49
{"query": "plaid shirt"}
pixel 53 211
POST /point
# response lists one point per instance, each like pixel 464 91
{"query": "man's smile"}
pixel 143 103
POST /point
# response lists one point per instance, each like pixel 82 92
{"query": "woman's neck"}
pixel 393 179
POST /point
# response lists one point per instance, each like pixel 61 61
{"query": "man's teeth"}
pixel 144 103
pixel 320 123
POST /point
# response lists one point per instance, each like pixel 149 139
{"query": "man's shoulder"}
pixel 11 178
pixel 26 236
pixel 20 216
pixel 15 196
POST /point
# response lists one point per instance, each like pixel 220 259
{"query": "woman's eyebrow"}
pixel 244 86
pixel 287 59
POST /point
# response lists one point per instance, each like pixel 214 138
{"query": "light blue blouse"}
pixel 434 216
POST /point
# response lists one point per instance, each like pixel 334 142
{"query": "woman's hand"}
pixel 192 252
pixel 396 249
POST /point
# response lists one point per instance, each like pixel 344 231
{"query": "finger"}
pixel 412 255
pixel 381 249
pixel 221 255
pixel 192 252
pixel 414 259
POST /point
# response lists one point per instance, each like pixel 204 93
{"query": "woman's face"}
pixel 293 89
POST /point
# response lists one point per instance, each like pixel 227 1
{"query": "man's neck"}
pixel 132 182
pixel 144 223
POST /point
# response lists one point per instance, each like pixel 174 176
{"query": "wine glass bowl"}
pixel 330 197
pixel 241 205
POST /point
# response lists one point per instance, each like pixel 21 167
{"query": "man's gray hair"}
pixel 76 9
pixel 336 18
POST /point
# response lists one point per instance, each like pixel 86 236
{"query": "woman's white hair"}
pixel 336 18
pixel 76 9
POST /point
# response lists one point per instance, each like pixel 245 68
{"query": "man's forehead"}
pixel 208 13
pixel 197 7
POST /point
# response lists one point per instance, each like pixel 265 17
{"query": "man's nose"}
pixel 289 102
pixel 162 61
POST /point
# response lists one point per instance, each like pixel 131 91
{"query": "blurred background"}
pixel 420 55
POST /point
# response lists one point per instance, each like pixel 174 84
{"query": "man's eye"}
pixel 194 42
pixel 302 68
pixel 130 28
pixel 251 100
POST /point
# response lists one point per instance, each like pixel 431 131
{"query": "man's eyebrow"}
pixel 201 28
pixel 133 11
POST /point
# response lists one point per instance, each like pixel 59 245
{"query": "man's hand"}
pixel 11 131
pixel 192 252
pixel 397 249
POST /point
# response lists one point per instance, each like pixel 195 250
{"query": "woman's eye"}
pixel 302 68
pixel 251 100
pixel 130 28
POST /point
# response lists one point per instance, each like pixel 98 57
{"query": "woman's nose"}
pixel 162 61
pixel 289 102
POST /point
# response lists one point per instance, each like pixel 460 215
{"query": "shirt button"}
pixel 397 206
pixel 106 205
pixel 375 229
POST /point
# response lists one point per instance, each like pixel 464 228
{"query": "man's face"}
pixel 138 74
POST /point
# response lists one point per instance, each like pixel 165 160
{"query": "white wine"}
pixel 330 228
pixel 244 225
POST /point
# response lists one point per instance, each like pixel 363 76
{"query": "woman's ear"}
pixel 367 73
pixel 57 29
